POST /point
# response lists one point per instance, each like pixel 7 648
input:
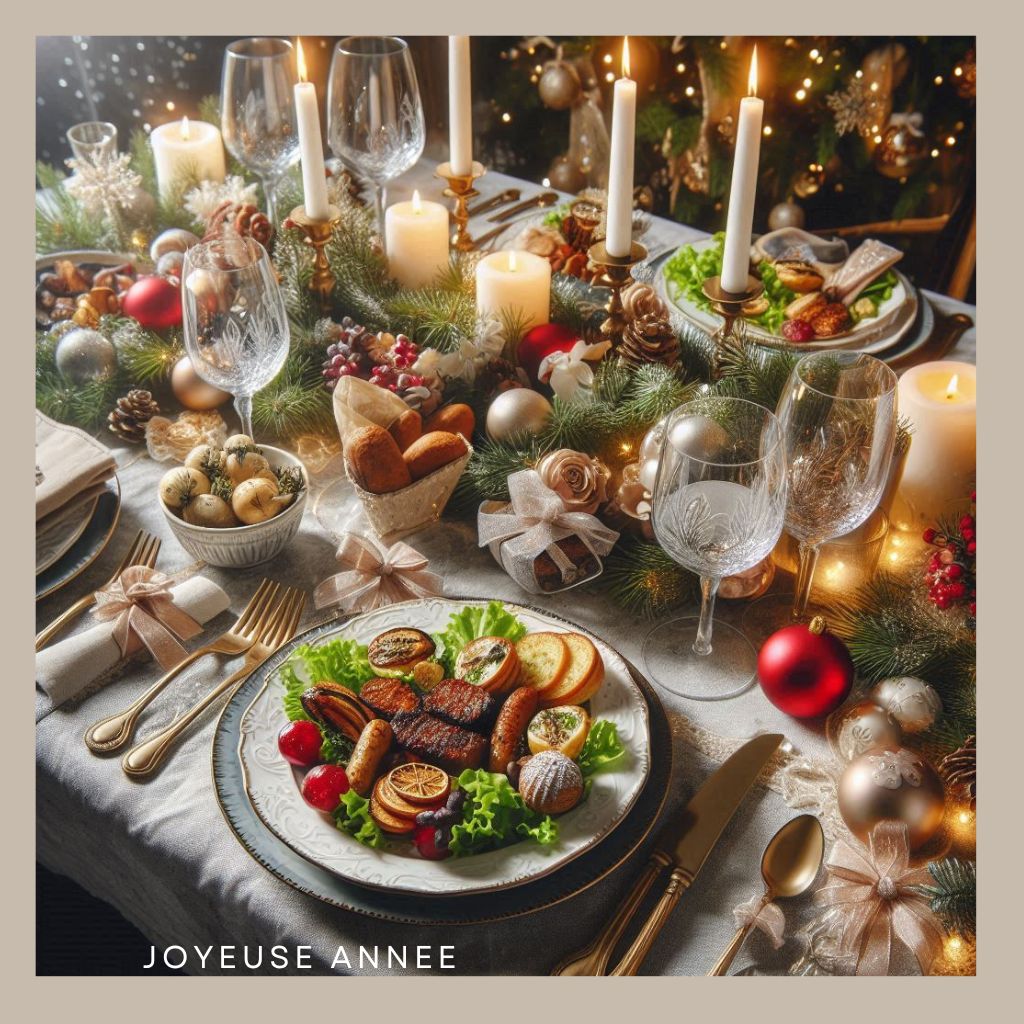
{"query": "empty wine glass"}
pixel 257 109
pixel 838 415
pixel 717 508
pixel 93 141
pixel 235 325
pixel 374 114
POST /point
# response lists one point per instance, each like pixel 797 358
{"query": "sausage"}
pixel 512 721
pixel 369 751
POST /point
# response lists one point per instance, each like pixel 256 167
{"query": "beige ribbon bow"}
pixel 567 372
pixel 140 606
pixel 761 913
pixel 374 578
pixel 873 891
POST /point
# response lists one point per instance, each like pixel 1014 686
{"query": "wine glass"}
pixel 257 109
pixel 374 114
pixel 93 141
pixel 838 415
pixel 235 324
pixel 718 504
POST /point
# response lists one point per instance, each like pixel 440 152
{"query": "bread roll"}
pixel 406 429
pixel 374 461
pixel 432 451
pixel 456 418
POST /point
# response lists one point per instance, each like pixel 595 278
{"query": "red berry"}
pixel 956 591
pixel 797 330
pixel 974 609
pixel 967 533
pixel 966 521
pixel 426 837
pixel 323 786
pixel 942 601
pixel 972 547
pixel 954 571
pixel 929 535
pixel 299 743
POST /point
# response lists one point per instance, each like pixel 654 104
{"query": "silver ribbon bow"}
pixel 567 372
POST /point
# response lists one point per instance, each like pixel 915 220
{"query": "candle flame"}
pixel 184 130
pixel 417 206
pixel 512 262
pixel 752 77
pixel 625 57
pixel 300 60
pixel 953 388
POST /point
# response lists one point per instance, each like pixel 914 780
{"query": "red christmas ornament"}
pixel 541 341
pixel 805 671
pixel 154 302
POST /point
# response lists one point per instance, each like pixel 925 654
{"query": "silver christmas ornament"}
pixel 84 355
pixel 857 728
pixel 698 437
pixel 517 411
pixel 911 701
pixel 786 215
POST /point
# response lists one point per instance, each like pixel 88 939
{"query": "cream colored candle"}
pixel 186 151
pixel 939 400
pixel 416 241
pixel 619 237
pixel 460 100
pixel 311 147
pixel 515 284
pixel 743 191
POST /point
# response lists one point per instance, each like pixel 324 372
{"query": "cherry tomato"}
pixel 323 786
pixel 299 743
pixel 426 837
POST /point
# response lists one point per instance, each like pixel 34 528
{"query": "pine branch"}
pixel 953 897
pixel 145 357
pixel 486 475
pixel 295 402
pixel 61 221
pixel 643 578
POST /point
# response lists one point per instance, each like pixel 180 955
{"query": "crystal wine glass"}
pixel 838 414
pixel 374 114
pixel 717 508
pixel 257 107
pixel 93 141
pixel 235 324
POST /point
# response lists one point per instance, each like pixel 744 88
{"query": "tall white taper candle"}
pixel 619 237
pixel 460 118
pixel 307 116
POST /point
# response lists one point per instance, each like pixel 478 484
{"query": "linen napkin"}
pixel 66 668
pixel 68 463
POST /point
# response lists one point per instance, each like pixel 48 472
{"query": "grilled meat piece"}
pixel 438 742
pixel 389 696
pixel 462 703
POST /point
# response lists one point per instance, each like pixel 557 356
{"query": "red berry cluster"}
pixel 398 381
pixel 349 354
pixel 951 575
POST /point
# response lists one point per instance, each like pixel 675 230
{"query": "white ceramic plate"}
pixel 273 787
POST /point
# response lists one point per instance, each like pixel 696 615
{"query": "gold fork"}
pixel 144 759
pixel 143 551
pixel 113 732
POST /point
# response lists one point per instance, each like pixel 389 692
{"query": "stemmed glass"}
pixel 257 108
pixel 838 415
pixel 717 508
pixel 235 324
pixel 374 114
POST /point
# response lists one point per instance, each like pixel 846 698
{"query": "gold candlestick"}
pixel 729 306
pixel 616 273
pixel 460 188
pixel 318 233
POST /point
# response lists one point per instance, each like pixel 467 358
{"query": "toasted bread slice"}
pixel 593 684
pixel 584 660
pixel 544 658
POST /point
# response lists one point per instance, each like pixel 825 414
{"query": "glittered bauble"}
pixel 559 85
pixel 541 341
pixel 892 784
pixel 786 215
pixel 519 411
pixel 565 175
pixel 191 390
pixel 911 701
pixel 84 355
pixel 805 671
pixel 902 151
pixel 860 727
pixel 154 302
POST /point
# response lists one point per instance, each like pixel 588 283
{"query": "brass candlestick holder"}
pixel 615 273
pixel 729 306
pixel 460 188
pixel 318 233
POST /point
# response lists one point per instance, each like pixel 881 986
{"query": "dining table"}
pixel 162 853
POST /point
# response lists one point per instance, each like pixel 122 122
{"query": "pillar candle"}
pixel 416 241
pixel 619 237
pixel 516 284
pixel 939 400
pixel 460 98
pixel 743 191
pixel 184 151
pixel 311 147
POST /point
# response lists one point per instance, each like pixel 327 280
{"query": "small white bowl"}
pixel 237 547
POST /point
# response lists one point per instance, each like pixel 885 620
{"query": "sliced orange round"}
pixel 384 793
pixel 389 822
pixel 419 783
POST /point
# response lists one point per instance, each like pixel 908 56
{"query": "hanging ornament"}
pixel 967 77
pixel 83 355
pixel 648 336
pixel 892 784
pixel 786 215
pixel 805 671
pixel 911 701
pixel 903 148
pixel 541 341
pixel 154 302
pixel 191 390
pixel 559 86
pixel 808 182
pixel 856 108
pixel 860 727
pixel 518 411
pixel 566 176
pixel 887 64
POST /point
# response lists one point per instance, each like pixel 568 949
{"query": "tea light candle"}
pixel 619 236
pixel 416 241
pixel 307 116
pixel 939 400
pixel 516 284
pixel 184 151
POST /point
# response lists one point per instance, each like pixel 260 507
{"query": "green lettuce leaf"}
pixel 602 748
pixel 338 661
pixel 353 818
pixel 472 622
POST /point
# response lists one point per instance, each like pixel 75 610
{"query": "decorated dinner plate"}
pixel 272 785
pixel 61 529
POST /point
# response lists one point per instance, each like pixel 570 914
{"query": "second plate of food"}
pixel 585 722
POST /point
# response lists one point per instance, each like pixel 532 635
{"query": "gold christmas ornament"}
pixel 750 584
pixel 517 411
pixel 903 148
pixel 786 215
pixel 565 176
pixel 857 728
pixel 911 701
pixel 192 391
pixel 892 784
pixel 560 86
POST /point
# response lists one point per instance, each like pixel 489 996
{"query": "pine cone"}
pixel 960 770
pixel 130 415
pixel 244 218
pixel 648 336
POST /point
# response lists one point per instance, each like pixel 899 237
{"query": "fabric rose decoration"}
pixel 579 480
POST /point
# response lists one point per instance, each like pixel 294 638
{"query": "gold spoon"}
pixel 789 865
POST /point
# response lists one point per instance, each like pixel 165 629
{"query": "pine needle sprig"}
pixel 654 391
pixel 568 304
pixel 145 357
pixel 642 578
pixel 295 402
pixel 954 895
pixel 486 475
pixel 61 221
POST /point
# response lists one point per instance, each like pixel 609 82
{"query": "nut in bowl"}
pixel 237 506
